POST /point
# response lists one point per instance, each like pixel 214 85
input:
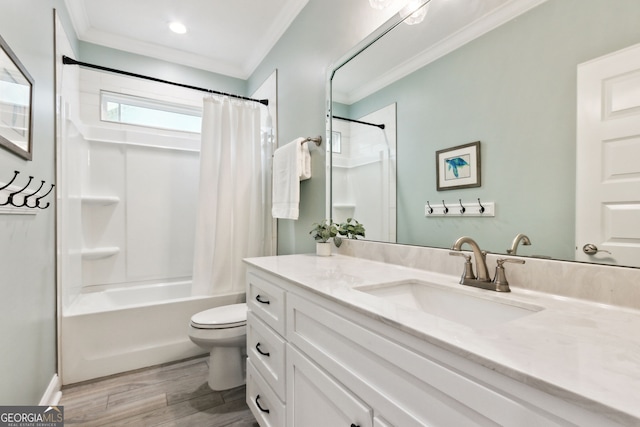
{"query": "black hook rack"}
pixel 26 197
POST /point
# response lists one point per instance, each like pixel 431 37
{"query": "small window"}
pixel 134 110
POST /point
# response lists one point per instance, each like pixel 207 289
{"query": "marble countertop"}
pixel 583 352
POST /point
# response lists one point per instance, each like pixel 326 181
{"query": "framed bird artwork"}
pixel 458 167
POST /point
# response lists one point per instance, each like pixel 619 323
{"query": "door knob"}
pixel 591 249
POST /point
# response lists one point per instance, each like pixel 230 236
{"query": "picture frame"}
pixel 16 104
pixel 458 167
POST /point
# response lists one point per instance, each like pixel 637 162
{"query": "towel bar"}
pixel 317 140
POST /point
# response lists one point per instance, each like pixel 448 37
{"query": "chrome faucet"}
pixel 499 282
pixel 519 238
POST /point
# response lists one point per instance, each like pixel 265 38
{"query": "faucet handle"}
pixel 500 278
pixel 467 273
pixel 462 254
pixel 501 261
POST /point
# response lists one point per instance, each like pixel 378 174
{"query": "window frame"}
pixel 148 104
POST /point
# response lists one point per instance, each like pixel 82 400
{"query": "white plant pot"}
pixel 323 249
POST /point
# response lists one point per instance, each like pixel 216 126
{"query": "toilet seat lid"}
pixel 226 316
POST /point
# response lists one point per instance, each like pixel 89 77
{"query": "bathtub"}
pixel 118 330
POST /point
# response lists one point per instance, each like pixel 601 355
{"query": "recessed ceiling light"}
pixel 178 27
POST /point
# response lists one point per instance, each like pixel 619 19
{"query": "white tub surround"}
pixel 572 362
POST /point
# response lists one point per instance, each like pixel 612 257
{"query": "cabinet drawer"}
pixel 266 300
pixel 262 401
pixel 266 349
pixel 398 382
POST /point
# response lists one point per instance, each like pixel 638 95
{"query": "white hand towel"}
pixel 291 163
pixel 305 161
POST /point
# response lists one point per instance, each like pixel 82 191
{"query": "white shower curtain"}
pixel 230 222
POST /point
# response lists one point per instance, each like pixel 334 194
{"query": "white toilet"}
pixel 222 331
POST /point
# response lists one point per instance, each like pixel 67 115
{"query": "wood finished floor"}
pixel 174 394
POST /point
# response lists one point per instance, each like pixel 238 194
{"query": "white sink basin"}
pixel 454 305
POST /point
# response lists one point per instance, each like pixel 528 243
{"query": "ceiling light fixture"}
pixel 380 4
pixel 177 27
pixel 412 13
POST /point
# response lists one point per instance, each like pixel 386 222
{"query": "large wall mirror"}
pixel 16 86
pixel 505 73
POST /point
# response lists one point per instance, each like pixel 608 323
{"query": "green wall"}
pixel 147 66
pixel 513 89
pixel 322 33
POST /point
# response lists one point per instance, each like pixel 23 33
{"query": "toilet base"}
pixel 227 368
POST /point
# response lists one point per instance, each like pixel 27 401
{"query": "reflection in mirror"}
pixel 503 72
pixel 364 172
pixel 15 103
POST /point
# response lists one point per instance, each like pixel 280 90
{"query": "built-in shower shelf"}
pixel 100 200
pixel 100 253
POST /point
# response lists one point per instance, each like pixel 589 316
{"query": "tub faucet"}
pixel 519 238
pixel 478 255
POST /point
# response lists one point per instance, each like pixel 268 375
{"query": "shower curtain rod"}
pixel 70 61
pixel 358 121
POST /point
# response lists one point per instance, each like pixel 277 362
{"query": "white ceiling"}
pixel 229 37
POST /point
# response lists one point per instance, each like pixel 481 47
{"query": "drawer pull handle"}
pixel 266 411
pixel 354 425
pixel 262 301
pixel 264 353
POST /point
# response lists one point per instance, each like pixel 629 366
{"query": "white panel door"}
pixel 608 159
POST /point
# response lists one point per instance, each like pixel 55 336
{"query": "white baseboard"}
pixel 52 394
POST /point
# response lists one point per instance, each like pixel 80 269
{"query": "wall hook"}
pixel 446 209
pixel 430 210
pixel 11 195
pixel 24 201
pixel 42 197
pixel 481 210
pixel 15 174
pixel 462 208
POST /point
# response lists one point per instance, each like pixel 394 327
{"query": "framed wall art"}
pixel 16 96
pixel 458 167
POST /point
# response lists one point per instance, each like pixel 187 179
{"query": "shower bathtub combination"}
pixel 126 231
pixel 117 330
pixel 126 251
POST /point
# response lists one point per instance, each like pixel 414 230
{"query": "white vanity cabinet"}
pixel 338 366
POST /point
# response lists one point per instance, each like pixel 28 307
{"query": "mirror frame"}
pixel 12 145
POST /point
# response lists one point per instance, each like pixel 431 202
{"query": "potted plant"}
pixel 351 228
pixel 322 232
